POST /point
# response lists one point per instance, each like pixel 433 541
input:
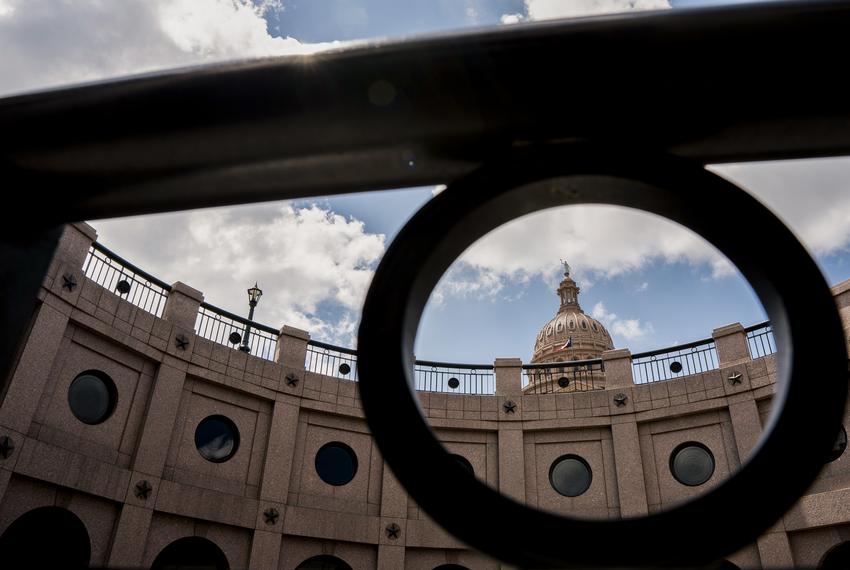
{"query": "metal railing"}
pixel 145 291
pixel 113 272
pixel 454 378
pixel 225 328
pixel 331 360
pixel 760 340
pixel 570 376
pixel 675 361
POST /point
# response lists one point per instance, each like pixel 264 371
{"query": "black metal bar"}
pixel 108 270
pixel 562 377
pixel 216 324
pixel 760 340
pixel 277 128
pixel 675 361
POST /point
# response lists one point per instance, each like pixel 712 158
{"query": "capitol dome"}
pixel 570 334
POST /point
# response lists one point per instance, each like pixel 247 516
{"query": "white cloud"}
pixel 627 329
pixel 47 43
pixel 549 9
pixel 508 19
pixel 642 287
pixel 598 241
pixel 811 196
pixel 437 189
pixel 314 266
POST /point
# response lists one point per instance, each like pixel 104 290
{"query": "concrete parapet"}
pixel 182 305
pixel 731 342
pixel 508 376
pixel 292 347
pixel 618 368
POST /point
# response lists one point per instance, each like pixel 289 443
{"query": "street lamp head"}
pixel 254 294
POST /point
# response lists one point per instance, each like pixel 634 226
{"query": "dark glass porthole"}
pixel 336 463
pixel 563 381
pixel 570 475
pixel 123 287
pixel 692 464
pixel 235 338
pixel 675 367
pixel 217 438
pixel 344 368
pixel 453 383
pixel 464 462
pixel 92 397
pixel 839 446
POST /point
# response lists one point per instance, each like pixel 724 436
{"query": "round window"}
pixel 92 397
pixel 839 446
pixel 692 464
pixel 570 475
pixel 217 438
pixel 336 463
pixel 464 462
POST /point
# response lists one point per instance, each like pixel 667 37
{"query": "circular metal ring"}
pixel 808 404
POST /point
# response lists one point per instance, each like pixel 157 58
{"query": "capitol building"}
pixel 143 426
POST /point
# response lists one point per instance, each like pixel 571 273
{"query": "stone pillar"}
pixel 159 421
pixel 148 463
pixel 182 305
pixel 21 400
pixel 277 470
pixel 618 368
pixel 75 243
pixel 511 461
pixel 265 549
pixel 128 545
pixel 393 510
pixel 631 487
pixel 775 550
pixel 746 426
pixel 292 347
pixel 508 376
pixel 390 557
pixel 731 342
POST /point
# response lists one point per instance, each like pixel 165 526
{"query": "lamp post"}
pixel 254 294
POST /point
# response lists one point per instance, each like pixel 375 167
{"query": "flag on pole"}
pixel 568 344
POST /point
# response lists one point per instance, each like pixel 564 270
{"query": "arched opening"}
pixel 46 537
pixel 324 562
pixel 191 552
pixel 838 557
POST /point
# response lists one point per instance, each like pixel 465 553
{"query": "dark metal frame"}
pixel 294 127
pixel 536 178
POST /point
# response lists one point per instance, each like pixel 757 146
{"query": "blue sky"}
pixel 652 283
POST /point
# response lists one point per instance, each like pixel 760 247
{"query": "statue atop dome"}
pixel 566 268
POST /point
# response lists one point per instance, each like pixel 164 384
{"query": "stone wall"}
pixel 138 483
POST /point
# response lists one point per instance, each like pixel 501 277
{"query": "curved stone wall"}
pixel 138 483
